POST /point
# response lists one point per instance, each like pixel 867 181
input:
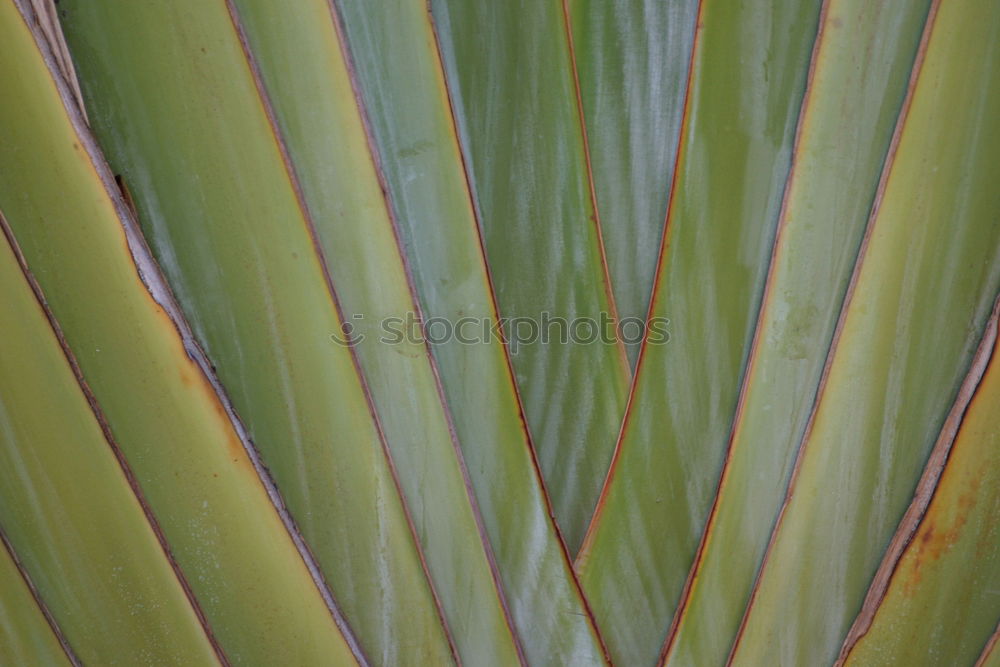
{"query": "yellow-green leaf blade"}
pixel 633 59
pixel 259 233
pixel 749 72
pixel 941 599
pixel 67 508
pixel 252 583
pixel 25 633
pixel 402 87
pixel 864 55
pixel 317 116
pixel 922 294
pixel 511 82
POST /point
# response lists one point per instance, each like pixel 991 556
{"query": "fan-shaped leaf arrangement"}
pixel 561 332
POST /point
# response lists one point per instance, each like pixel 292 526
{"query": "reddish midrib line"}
pixel 418 311
pixel 991 645
pixel 73 109
pixel 311 228
pixel 102 422
pixel 602 254
pixel 661 256
pixel 862 251
pixel 49 619
pixel 156 285
pixel 754 345
pixel 495 309
pixel 926 488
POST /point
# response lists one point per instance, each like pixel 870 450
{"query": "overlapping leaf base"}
pixel 242 421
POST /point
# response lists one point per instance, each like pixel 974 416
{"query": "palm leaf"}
pixel 894 369
pixel 733 161
pixel 275 386
pixel 67 221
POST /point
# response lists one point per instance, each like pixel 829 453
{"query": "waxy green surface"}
pixel 221 213
pixel 222 528
pixel 403 90
pixel 319 116
pixel 511 80
pixel 941 602
pixel 633 60
pixel 67 508
pixel 293 164
pixel 253 228
pixel 748 77
pixel 25 635
pixel 924 290
pixel 860 75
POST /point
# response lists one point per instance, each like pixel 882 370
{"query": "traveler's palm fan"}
pixel 499 332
